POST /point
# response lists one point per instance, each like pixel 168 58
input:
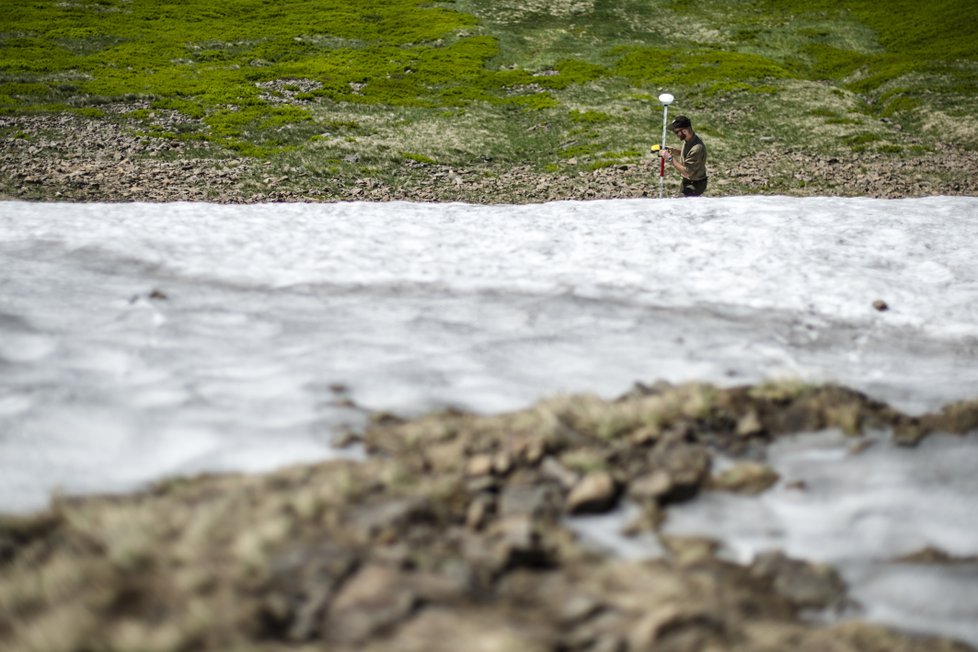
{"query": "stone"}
pixel 372 601
pixel 804 585
pixel 387 554
pixel 692 624
pixel 746 477
pixel 480 511
pixel 597 492
pixel 520 543
pixel 479 465
pixel 605 627
pixel 387 517
pixel 537 501
pixel 552 469
pixel 303 579
pixel 579 607
pixel 646 435
pixel 444 629
pixel 502 463
pixel 687 466
pixel 689 551
pixel 749 425
pixel 931 555
pixel 652 486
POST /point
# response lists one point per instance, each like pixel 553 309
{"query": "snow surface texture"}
pixel 261 309
pixel 861 511
pixel 139 341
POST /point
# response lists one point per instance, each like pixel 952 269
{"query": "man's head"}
pixel 682 127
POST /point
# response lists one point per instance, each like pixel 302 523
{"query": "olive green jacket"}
pixel 693 158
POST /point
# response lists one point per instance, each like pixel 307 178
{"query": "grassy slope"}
pixel 348 89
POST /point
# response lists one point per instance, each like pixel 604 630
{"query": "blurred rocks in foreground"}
pixel 452 536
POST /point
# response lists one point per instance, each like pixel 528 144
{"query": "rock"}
pixel 449 455
pixel 959 418
pixel 579 607
pixel 847 417
pixel 746 478
pixel 502 463
pixel 480 511
pixel 449 585
pixel 533 451
pixel 645 435
pixel 687 467
pixel 454 630
pixel 605 630
pixel 749 425
pixel 537 501
pixel 689 551
pixel 479 465
pixel 384 519
pixel 17 532
pixel 388 553
pixel 597 492
pixel 804 585
pixel 520 543
pixel 303 580
pixel 552 469
pixel 932 555
pixel 909 434
pixel 651 487
pixel 696 628
pixel 372 601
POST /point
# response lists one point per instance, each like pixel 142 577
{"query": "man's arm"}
pixel 672 155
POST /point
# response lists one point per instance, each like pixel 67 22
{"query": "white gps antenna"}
pixel 666 100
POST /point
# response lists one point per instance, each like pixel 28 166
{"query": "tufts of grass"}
pixel 419 158
pixel 708 71
pixel 589 117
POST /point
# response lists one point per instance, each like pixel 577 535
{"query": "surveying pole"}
pixel 666 100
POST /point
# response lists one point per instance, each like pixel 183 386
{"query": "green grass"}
pixel 557 85
pixel 206 59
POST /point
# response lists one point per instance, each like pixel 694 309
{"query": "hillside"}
pixel 480 100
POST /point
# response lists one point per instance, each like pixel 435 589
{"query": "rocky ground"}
pixel 452 536
pixel 69 157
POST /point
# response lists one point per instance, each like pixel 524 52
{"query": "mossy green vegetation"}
pixel 710 70
pixel 209 61
pixel 561 85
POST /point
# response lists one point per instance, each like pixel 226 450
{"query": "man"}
pixel 690 159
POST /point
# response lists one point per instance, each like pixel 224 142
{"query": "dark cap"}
pixel 681 122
